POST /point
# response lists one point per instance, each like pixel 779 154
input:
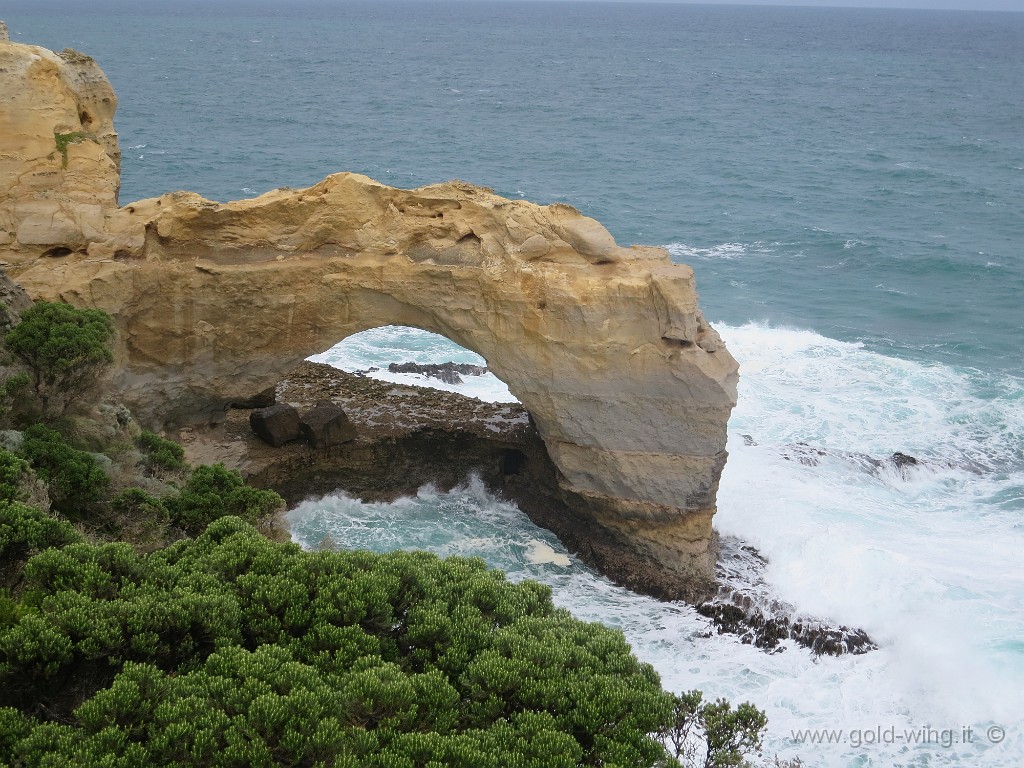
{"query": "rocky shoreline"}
pixel 408 437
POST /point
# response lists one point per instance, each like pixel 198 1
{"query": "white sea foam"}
pixel 923 560
pixel 379 347
pixel 925 557
pixel 720 251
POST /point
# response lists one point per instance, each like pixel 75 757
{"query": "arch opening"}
pixel 408 355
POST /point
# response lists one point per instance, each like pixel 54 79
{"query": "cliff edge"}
pixel 628 386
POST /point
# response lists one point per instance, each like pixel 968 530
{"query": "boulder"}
pixel 276 425
pixel 327 425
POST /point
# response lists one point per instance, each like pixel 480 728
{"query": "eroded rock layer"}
pixel 630 389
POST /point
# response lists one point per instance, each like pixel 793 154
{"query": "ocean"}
pixel 848 185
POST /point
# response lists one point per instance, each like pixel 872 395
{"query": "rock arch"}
pixel 629 387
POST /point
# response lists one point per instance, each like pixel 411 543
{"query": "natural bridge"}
pixel 628 386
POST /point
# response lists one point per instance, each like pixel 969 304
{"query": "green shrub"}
pixel 12 476
pixel 74 479
pixel 24 531
pixel 140 518
pixel 135 502
pixel 712 735
pixel 16 401
pixel 65 349
pixel 65 140
pixel 232 650
pixel 212 492
pixel 161 454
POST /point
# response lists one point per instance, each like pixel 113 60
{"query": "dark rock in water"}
pixel 805 454
pixel 746 607
pixel 263 399
pixel 902 460
pixel 326 425
pixel 754 627
pixel 748 440
pixel 449 373
pixel 276 425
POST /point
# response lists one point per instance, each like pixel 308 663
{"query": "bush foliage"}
pixel 75 480
pixel 161 453
pixel 712 735
pixel 212 492
pixel 231 650
pixel 12 473
pixel 65 349
pixel 26 531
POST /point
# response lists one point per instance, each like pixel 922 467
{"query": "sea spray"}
pixel 923 556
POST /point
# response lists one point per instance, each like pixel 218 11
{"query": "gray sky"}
pixel 951 5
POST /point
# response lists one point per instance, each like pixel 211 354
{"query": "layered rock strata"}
pixel 628 386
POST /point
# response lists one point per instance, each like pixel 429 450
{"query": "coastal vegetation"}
pixel 64 349
pixel 64 140
pixel 145 619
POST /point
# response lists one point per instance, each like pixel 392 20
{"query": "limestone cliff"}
pixel 605 346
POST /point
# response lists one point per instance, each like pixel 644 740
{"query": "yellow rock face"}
pixel 628 385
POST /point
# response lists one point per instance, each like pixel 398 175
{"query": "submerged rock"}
pixel 902 460
pixel 767 632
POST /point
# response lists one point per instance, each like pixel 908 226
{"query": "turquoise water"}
pixel 848 185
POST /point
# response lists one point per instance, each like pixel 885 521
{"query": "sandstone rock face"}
pixel 59 156
pixel 629 387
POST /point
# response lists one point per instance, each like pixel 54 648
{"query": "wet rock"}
pixel 449 373
pixel 276 425
pixel 805 454
pixel 902 460
pixel 747 607
pixel 762 630
pixel 409 437
pixel 748 440
pixel 327 425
